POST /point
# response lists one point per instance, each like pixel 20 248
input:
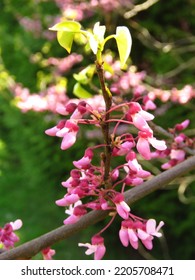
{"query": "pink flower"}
pixel 145 140
pixel 48 253
pixel 128 234
pixel 84 162
pixel 121 206
pixel 182 125
pixel 178 154
pixel 131 231
pixel 66 110
pixel 139 117
pixel 96 247
pixel 68 199
pixel 67 130
pixel 123 148
pixel 152 229
pixel 75 212
pixel 135 167
pixel 17 224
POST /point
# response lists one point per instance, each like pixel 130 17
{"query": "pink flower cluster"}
pixel 65 64
pixel 48 100
pixel 133 230
pixel 177 151
pixel 7 236
pixel 79 10
pixel 85 188
pixel 181 96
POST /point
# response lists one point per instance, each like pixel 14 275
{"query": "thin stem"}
pixel 106 157
pixel 110 222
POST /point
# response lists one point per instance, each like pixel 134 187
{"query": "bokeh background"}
pixel 32 70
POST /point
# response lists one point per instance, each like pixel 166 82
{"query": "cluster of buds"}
pixel 179 146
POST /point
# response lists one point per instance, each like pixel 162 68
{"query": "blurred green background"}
pixel 32 166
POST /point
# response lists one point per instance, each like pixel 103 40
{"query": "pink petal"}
pixel 123 210
pixel 177 154
pixel 71 220
pixel 67 200
pixel 151 226
pixel 143 148
pixel 142 234
pixel 134 244
pixel 134 165
pixel 147 116
pixel 52 131
pixel 17 224
pixel 84 163
pixel 132 235
pixel 143 173
pixel 100 252
pixel 158 144
pixel 124 238
pixel 160 225
pixel 140 122
pixel 68 140
pixel 62 132
pixel 148 243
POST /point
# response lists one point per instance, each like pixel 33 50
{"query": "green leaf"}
pixel 65 39
pixel 80 92
pixel 68 26
pixel 85 76
pixel 65 33
pixel 124 42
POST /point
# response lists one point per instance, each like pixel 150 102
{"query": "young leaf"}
pixel 68 26
pixel 80 92
pixel 65 33
pixel 124 42
pixel 65 39
pixel 85 76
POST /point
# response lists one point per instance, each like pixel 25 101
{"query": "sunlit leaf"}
pixel 85 76
pixel 65 33
pixel 80 92
pixel 68 26
pixel 124 42
pixel 65 39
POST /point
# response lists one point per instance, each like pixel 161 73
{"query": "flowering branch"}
pixel 31 248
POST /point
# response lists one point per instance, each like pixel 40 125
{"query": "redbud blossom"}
pixel 66 129
pixel 77 212
pixel 145 140
pixel 7 236
pixel 131 231
pixel 68 199
pixel 96 247
pixel 182 125
pixel 48 253
pixel 84 162
pixel 139 117
pixel 121 206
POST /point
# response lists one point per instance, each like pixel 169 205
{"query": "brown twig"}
pixel 31 248
pixel 105 125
